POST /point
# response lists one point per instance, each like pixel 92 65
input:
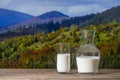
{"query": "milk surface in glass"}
pixel 63 62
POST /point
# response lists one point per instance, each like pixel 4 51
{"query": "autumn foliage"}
pixel 39 50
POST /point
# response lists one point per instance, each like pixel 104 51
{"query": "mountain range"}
pixel 52 16
pixel 107 16
pixel 9 17
pixel 14 19
pixel 53 20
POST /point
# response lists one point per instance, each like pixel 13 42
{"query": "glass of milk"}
pixel 63 58
pixel 87 55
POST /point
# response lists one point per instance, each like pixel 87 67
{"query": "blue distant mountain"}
pixel 52 14
pixel 52 21
pixel 10 17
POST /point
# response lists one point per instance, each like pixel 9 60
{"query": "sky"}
pixel 68 7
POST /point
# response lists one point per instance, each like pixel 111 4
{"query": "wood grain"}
pixel 52 74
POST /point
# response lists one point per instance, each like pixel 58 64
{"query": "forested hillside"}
pixel 51 23
pixel 39 50
pixel 36 26
pixel 105 17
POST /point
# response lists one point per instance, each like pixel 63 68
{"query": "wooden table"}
pixel 52 74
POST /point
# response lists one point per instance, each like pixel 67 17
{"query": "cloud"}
pixel 35 7
pixel 69 7
pixel 80 10
pixel 4 3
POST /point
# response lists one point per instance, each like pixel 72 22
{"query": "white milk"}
pixel 87 64
pixel 63 62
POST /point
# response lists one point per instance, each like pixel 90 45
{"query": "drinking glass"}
pixel 63 58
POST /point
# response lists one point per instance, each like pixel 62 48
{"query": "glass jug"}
pixel 87 55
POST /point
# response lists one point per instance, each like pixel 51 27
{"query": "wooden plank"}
pixel 52 74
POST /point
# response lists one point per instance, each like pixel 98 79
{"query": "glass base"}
pixel 63 72
pixel 88 72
